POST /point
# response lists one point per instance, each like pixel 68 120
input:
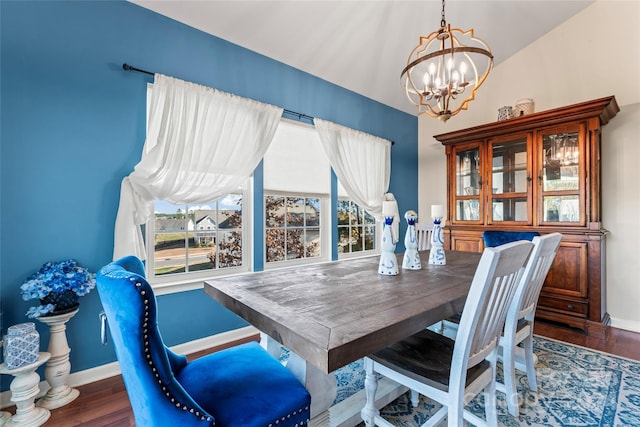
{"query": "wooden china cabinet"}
pixel 538 172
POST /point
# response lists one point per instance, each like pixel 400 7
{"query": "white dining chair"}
pixel 520 320
pixel 424 231
pixel 453 372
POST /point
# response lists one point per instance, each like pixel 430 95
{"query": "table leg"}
pixel 322 387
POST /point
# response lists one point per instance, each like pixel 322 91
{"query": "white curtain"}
pixel 201 144
pixel 361 161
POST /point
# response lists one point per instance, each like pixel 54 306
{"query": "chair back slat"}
pixel 424 231
pixel 542 256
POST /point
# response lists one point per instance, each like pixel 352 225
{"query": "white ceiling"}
pixel 363 45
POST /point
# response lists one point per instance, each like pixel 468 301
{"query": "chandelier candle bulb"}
pixel 437 211
pixel 388 209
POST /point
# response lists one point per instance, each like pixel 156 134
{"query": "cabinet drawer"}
pixel 555 304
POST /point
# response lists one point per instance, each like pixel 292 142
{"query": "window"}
pixel 292 228
pixel 203 238
pixel 356 229
pixel 297 184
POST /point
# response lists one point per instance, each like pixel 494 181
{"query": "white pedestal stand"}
pixel 58 366
pixel 24 389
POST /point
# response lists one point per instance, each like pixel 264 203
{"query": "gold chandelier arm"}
pixel 447 51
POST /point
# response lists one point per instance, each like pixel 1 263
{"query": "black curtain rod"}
pixel 300 116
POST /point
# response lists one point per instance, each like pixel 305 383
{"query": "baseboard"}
pixel 627 325
pixel 108 370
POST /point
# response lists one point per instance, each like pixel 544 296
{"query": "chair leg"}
pixel 490 405
pixel 369 412
pixel 455 413
pixel 531 368
pixel 508 365
pixel 415 398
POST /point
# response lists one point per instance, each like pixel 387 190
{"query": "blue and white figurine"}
pixel 436 254
pixel 411 260
pixel 388 263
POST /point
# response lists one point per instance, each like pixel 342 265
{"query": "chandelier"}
pixel 442 68
pixel 563 150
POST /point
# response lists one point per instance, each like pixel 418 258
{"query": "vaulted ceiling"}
pixel 363 45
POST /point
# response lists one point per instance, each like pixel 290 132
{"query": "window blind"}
pixel 295 162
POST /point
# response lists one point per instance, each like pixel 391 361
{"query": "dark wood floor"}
pixel 105 403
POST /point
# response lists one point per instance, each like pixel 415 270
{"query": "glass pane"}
pixel 171 227
pixel 295 243
pixel 509 167
pixel 562 208
pixel 230 211
pixel 201 257
pixel 368 218
pixel 359 214
pixel 343 240
pixel 230 249
pixel 312 242
pixel 468 210
pixel 561 178
pixel 356 239
pixel 561 157
pixel 467 173
pixel 343 212
pixel 510 209
pixel 369 238
pixel 274 208
pixel 295 211
pixel 274 240
pixel 312 212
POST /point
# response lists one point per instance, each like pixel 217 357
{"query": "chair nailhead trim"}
pixel 299 411
pixel 150 360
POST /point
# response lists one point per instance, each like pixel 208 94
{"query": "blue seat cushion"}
pixel 494 238
pixel 246 386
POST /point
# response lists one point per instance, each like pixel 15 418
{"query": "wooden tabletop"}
pixel 334 313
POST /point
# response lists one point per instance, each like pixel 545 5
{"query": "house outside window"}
pixel 204 239
pixel 292 228
pixel 356 229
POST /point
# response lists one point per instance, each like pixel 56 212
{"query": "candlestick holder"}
pixel 436 254
pixel 388 265
pixel 411 259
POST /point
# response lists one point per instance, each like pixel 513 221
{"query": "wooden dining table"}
pixel 331 314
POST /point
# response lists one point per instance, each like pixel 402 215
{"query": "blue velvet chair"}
pixel 494 238
pixel 239 386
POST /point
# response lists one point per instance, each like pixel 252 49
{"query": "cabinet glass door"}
pixel 509 180
pixel 468 184
pixel 561 177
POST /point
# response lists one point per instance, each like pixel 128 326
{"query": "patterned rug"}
pixel 576 387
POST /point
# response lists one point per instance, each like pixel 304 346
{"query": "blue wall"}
pixel 73 127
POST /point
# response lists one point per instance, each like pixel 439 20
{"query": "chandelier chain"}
pixel 443 21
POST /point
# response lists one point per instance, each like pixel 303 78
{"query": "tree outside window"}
pixel 356 228
pixel 195 238
pixel 292 228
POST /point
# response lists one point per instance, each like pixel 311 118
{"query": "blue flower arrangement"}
pixel 53 280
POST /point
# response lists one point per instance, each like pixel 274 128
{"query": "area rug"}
pixel 576 387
